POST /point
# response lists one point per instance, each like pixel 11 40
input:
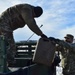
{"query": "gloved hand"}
pixel 55 40
pixel 52 38
pixel 58 40
pixel 44 36
pixel 57 60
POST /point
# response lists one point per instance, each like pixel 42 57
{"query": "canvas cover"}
pixel 44 52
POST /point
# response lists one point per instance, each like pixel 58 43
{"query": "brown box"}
pixel 44 52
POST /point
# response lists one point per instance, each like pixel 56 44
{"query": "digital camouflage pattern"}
pixel 68 57
pixel 8 34
pixel 16 17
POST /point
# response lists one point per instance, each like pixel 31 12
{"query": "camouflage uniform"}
pixel 13 18
pixel 8 34
pixel 68 55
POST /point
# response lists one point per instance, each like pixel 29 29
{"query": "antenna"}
pixel 33 33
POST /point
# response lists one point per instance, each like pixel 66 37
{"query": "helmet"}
pixel 38 11
pixel 69 36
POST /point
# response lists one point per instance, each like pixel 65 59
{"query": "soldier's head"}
pixel 38 11
pixel 69 38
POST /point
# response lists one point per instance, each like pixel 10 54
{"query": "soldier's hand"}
pixel 58 40
pixel 44 36
pixel 54 39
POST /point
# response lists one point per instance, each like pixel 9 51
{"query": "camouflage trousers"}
pixel 69 73
pixel 6 30
pixel 11 47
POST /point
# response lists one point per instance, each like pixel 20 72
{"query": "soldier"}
pixel 16 17
pixel 67 48
pixel 68 55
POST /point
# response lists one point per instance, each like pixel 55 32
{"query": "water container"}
pixel 44 52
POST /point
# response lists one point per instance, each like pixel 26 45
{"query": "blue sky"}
pixel 58 18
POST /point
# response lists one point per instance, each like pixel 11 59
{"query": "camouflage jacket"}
pixel 68 54
pixel 18 16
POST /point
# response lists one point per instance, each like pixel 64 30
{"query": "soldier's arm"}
pixel 66 44
pixel 30 21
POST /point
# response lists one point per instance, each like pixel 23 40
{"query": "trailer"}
pixel 24 63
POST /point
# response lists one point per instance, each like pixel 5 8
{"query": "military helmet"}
pixel 38 11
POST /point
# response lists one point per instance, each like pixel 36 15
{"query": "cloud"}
pixel 57 19
pixel 67 30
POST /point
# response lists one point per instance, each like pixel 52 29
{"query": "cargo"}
pixel 44 52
